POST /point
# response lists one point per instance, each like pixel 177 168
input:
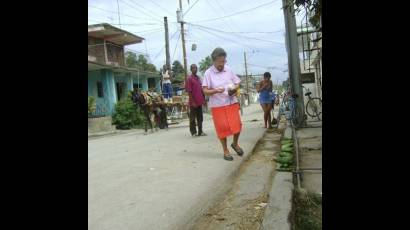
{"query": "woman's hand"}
pixel 262 85
pixel 220 90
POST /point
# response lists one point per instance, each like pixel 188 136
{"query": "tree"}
pixel 141 62
pixel 131 59
pixel 313 8
pixel 205 64
pixel 177 67
pixel 177 72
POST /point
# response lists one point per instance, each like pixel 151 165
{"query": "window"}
pixel 120 90
pixel 151 83
pixel 100 89
pixel 137 86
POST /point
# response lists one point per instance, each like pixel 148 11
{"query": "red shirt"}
pixel 194 86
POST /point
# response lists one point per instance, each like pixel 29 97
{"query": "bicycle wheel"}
pixel 314 107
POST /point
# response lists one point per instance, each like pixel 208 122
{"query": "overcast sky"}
pixel 259 32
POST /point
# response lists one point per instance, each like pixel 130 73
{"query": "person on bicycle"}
pixel 265 98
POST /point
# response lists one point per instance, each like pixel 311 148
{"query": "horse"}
pixel 153 108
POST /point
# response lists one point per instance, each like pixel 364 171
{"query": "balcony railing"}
pixel 108 54
pixel 111 54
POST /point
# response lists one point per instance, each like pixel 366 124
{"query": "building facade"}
pixel 109 80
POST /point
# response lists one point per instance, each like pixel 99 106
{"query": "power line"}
pixel 151 12
pixel 176 45
pixel 227 24
pixel 259 66
pixel 206 32
pixel 205 27
pixel 156 56
pixel 190 7
pixel 223 38
pixel 226 20
pixel 272 68
pixel 240 12
pixel 152 32
pixel 111 11
pixel 135 51
pixel 257 32
pixel 141 11
pixel 161 7
pixel 207 40
pixel 126 24
pixel 172 36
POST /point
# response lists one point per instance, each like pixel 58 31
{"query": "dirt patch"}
pixel 244 205
pixel 247 215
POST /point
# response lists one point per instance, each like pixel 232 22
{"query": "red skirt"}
pixel 227 120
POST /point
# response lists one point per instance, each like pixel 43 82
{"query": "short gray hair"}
pixel 218 52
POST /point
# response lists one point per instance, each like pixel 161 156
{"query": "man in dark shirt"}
pixel 196 100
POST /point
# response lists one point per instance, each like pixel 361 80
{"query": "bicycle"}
pixel 313 106
pixel 289 109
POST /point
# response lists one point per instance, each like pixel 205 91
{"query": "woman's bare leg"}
pixel 224 146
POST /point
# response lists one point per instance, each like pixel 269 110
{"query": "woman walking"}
pixel 265 98
pixel 221 85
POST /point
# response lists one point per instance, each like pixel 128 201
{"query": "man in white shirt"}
pixel 166 83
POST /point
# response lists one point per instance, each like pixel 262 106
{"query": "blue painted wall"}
pixel 106 105
pixel 141 80
pixel 123 78
pixel 101 102
pixel 110 94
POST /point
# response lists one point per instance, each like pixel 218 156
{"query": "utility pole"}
pixel 293 55
pixel 119 19
pixel 246 73
pixel 183 38
pixel 167 56
pixel 246 77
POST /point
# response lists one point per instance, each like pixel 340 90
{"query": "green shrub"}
pixel 91 105
pixel 126 116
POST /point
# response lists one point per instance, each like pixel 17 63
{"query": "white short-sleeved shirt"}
pixel 165 80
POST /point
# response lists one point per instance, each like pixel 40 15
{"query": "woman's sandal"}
pixel 239 151
pixel 228 157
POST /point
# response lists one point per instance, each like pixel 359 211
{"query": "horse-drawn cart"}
pixel 177 108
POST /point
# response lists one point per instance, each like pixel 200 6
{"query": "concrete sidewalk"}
pixel 163 180
pixel 310 149
pixel 279 208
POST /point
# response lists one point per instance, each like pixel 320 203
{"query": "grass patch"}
pixel 307 212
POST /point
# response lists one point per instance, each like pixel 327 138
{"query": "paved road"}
pixel 162 180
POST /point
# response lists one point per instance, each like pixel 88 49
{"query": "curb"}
pixel 131 131
pixel 278 211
